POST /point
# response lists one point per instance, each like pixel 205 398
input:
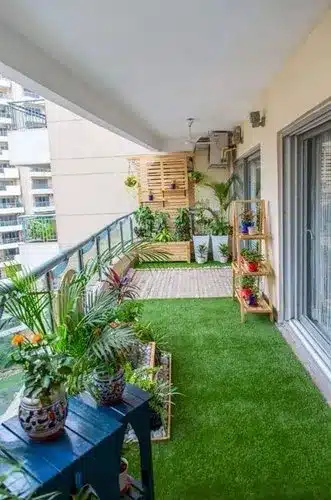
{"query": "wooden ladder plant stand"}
pixel 239 269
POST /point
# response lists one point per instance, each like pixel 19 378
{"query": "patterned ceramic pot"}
pixel 108 389
pixel 42 422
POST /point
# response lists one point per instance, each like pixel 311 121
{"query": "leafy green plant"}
pixel 163 236
pixel 145 220
pixel 223 193
pixel 160 221
pixel 41 229
pixel 252 255
pixel 129 311
pixel 247 282
pixel 219 227
pixel 148 332
pixel 182 225
pixel 197 176
pixel 224 249
pixel 201 221
pixel 247 216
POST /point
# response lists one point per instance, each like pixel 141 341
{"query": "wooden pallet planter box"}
pixel 178 250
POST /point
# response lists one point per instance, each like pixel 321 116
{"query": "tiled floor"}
pixel 176 283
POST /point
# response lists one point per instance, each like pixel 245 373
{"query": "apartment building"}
pixel 25 173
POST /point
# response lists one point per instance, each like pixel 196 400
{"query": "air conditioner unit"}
pixel 217 143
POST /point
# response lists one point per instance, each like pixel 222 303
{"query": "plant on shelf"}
pixel 253 258
pixel 202 254
pixel 163 236
pixel 253 297
pixel 247 220
pixel 144 218
pixel 196 176
pixel 247 284
pixel 150 196
pixel 131 181
pixel 159 390
pixel 224 252
pixel 182 225
pixel 172 184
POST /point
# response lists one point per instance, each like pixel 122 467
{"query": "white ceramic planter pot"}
pixel 200 240
pixel 123 476
pixel 216 241
pixel 223 259
pixel 252 230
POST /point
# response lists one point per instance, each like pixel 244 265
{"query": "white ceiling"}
pixel 162 61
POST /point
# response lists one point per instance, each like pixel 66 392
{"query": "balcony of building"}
pixel 40 172
pixel 252 418
pixel 8 172
pixel 8 189
pixel 11 205
pixel 41 186
pixel 28 137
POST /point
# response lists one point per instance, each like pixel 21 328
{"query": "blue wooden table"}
pixel 88 452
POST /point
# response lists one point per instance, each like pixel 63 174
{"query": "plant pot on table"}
pixel 252 267
pixel 44 420
pixel 107 389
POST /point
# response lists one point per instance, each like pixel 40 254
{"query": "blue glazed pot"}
pixel 43 422
pixel 244 227
pixel 108 389
pixel 252 300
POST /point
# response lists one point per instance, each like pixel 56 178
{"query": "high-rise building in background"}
pixel 26 195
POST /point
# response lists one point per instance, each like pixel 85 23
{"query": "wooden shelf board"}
pixel 257 236
pixel 265 269
pixel 262 307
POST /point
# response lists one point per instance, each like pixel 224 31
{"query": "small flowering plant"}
pixel 45 370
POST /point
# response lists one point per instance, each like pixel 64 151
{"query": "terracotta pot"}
pixel 108 389
pixel 245 292
pixel 43 421
pixel 124 479
pixel 252 267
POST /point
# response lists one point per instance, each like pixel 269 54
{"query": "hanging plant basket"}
pixel 131 181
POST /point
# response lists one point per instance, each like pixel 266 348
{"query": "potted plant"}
pixel 43 408
pixel 247 220
pixel 201 234
pixel 247 284
pixel 196 176
pixel 224 253
pixel 243 254
pixel 202 254
pixel 150 196
pixel 253 258
pixel 144 223
pixel 182 225
pixel 131 181
pixel 253 297
pixel 219 228
pixel 173 185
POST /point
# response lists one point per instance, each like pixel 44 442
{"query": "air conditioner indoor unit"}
pixel 217 143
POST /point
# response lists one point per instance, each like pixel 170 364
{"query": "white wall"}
pixel 28 147
pixel 88 170
pixel 33 255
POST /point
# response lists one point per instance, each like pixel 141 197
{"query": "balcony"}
pixel 38 228
pixel 8 243
pixel 43 208
pixel 39 173
pixel 11 208
pixel 11 191
pixel 9 173
pixel 9 226
pixel 46 190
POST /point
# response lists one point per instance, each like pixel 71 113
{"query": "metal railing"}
pixel 38 204
pixel 37 228
pixel 10 204
pixel 28 114
pixel 14 239
pixel 114 238
pixel 9 222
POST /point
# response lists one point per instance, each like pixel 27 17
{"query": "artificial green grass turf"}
pixel 170 265
pixel 250 423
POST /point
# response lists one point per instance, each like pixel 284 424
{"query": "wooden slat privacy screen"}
pixel 155 176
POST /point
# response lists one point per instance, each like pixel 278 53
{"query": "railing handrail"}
pixel 66 254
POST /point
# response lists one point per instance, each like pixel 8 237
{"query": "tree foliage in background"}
pixel 41 229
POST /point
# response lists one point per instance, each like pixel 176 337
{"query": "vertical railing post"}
pixel 121 233
pixel 80 260
pixel 49 286
pixel 98 257
pixel 131 230
pixel 109 240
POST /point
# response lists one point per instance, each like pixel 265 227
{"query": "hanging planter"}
pixel 131 181
pixel 172 185
pixel 196 176
pixel 150 196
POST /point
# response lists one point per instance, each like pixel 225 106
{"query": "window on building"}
pixel 3 146
pixel 44 168
pixel 10 237
pixel 4 111
pixel 8 220
pixel 9 202
pixel 42 201
pixel 40 184
pixel 9 253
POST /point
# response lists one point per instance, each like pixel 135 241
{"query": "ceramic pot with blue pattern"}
pixel 44 421
pixel 107 389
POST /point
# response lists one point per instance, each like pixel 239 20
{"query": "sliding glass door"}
pixel 316 262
